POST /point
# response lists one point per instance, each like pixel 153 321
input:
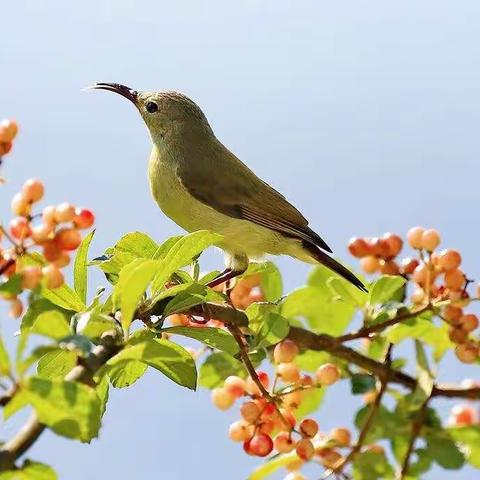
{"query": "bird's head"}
pixel 166 114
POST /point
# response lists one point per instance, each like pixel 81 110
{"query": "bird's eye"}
pixel 152 107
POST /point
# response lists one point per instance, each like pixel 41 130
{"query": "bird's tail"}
pixel 332 264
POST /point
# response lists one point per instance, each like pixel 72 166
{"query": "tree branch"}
pixel 32 429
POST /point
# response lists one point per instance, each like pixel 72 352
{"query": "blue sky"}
pixel 363 113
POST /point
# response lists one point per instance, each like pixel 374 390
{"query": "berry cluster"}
pixel 56 233
pixel 269 424
pixel 8 132
pixel 436 277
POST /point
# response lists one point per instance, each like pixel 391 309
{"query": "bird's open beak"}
pixel 117 88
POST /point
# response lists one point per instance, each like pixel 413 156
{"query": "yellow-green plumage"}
pixel 200 184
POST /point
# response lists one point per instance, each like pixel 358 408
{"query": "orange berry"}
pixel 266 426
pixel 292 400
pixel 53 277
pixel 408 265
pixel 288 372
pixel 370 264
pixel 5 148
pixel 389 267
pixel 31 277
pixel 20 205
pixel 33 190
pixel 463 415
pixel 308 427
pixel 178 320
pixel 16 308
pixel 358 247
pixel 452 314
pixel 467 352
pixel 65 212
pixel 8 130
pixel 457 335
pixel 449 259
pixel 305 449
pixel 48 215
pixel 379 247
pixel 260 445
pixel 341 436
pixel 375 448
pixel 250 412
pixel 454 279
pixel 235 385
pixel 294 464
pixel 415 236
pixel 331 459
pixel 222 399
pixel 418 296
pixel 285 351
pixel 430 240
pixel 68 239
pixel 251 386
pixel 20 228
pixel 240 431
pixel 62 261
pixel 284 443
pixel 469 322
pixel 41 233
pixel 327 374
pixel 394 244
pixel 83 218
pixel 286 422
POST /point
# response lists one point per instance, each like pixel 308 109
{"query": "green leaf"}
pixel 132 284
pixel 4 359
pixel 469 440
pixel 165 247
pixel 311 401
pixel 272 465
pixel 94 324
pixel 30 471
pixel 362 383
pixel 80 267
pixel 347 292
pixel 213 337
pixel 384 289
pixel 182 253
pixel 444 451
pixel 51 324
pixel 18 402
pixel 424 375
pixel 217 367
pixel 70 409
pixel 268 325
pixel 310 360
pixel 56 364
pixel 13 286
pixel 372 466
pixel 318 306
pixel 167 357
pixel 271 279
pixel 124 374
pixel 195 294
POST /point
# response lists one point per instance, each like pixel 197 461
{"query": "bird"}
pixel 201 185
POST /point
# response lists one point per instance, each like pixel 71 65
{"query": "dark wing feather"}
pixel 224 183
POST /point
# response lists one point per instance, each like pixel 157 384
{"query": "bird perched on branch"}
pixel 201 185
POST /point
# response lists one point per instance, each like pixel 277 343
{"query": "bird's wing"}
pixel 221 181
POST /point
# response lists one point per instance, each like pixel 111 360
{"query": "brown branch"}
pixel 380 327
pixel 32 429
pixel 416 428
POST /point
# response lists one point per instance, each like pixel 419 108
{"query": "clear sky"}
pixel 364 113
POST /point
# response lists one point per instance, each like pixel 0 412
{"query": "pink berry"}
pixel 83 218
pixel 33 190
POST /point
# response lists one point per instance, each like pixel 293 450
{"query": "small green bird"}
pixel 201 185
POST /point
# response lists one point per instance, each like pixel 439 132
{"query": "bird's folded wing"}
pixel 225 184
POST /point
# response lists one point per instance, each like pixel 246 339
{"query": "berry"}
pixel 415 236
pixel 469 322
pixel 31 277
pixel 449 260
pixel 8 130
pixel 65 212
pixel 240 431
pixel 222 399
pixel 250 412
pixel 235 385
pixel 358 247
pixel 454 279
pixel 53 276
pixel 467 352
pixel 452 314
pixel 418 296
pixel 294 476
pixel 285 351
pixel 16 308
pixel 331 459
pixel 33 190
pixel 389 267
pixel 48 215
pixel 463 415
pixel 375 448
pixel 252 387
pixel 308 428
pixel 420 274
pixel 408 265
pixel 370 264
pixel 5 148
pixel 51 252
pixel 394 244
pixel 20 205
pixel 341 436
pixel 379 247
pixel 284 443
pixel 68 239
pixel 286 422
pixel 457 335
pixel 327 374
pixel 41 233
pixel 430 240
pixel 305 449
pixel 20 228
pixel 260 445
pixel 266 427
pixel 292 400
pixel 288 372
pixel 179 320
pixel 83 218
